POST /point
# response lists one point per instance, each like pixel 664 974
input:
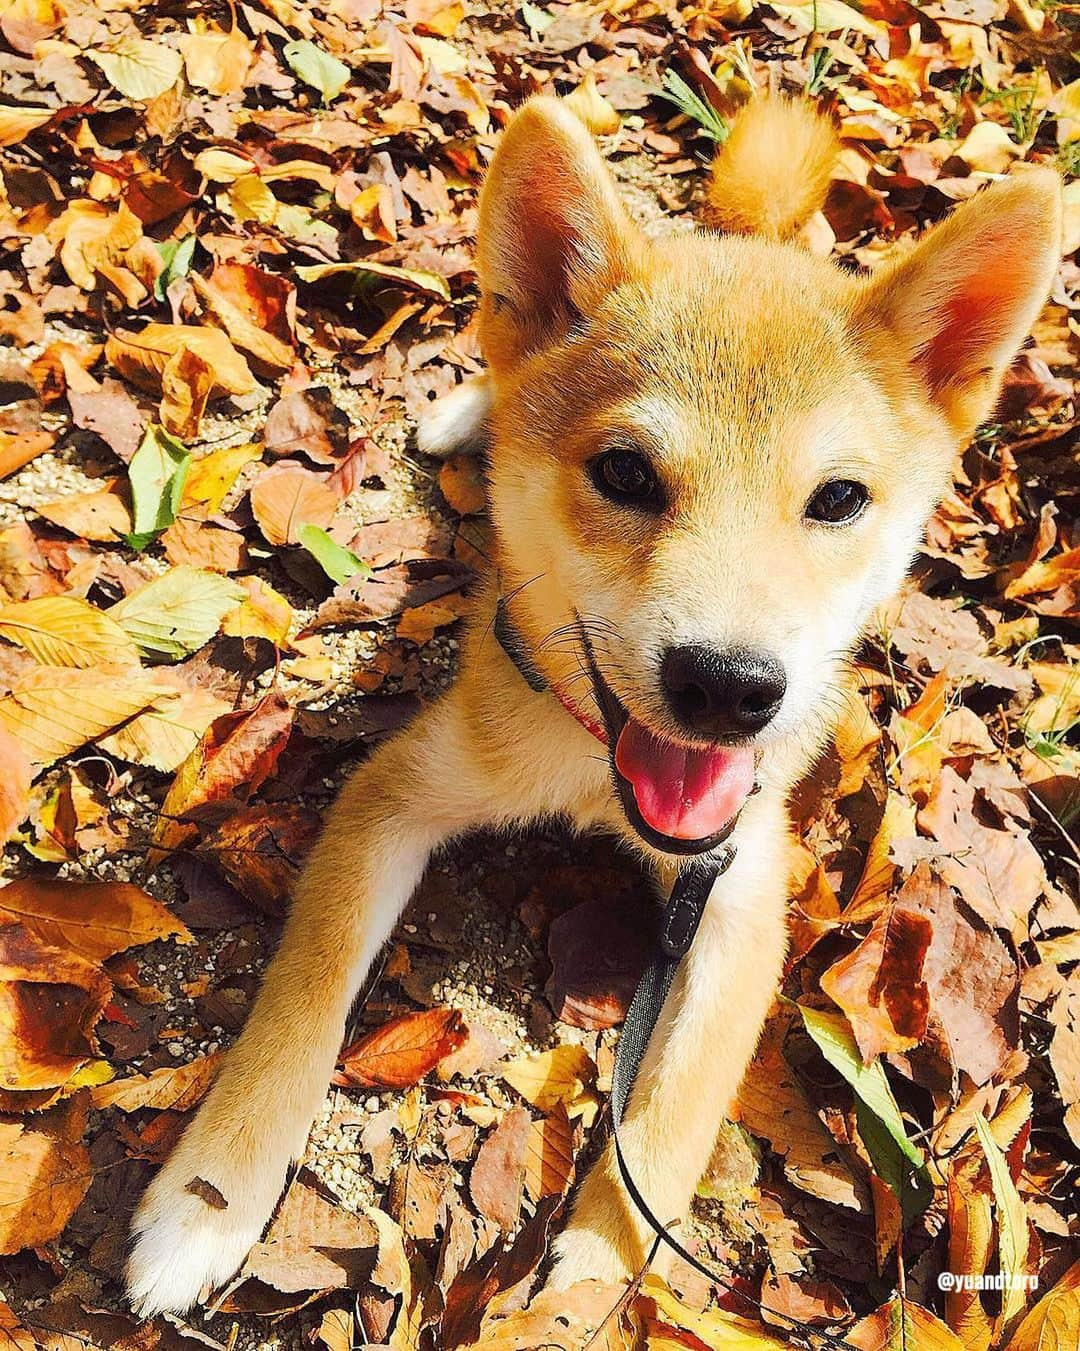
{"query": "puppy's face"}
pixel 713 458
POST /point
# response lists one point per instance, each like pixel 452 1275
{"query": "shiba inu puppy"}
pixel 711 456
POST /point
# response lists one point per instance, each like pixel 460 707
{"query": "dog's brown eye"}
pixel 838 501
pixel 626 476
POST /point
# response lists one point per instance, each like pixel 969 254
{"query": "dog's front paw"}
pixel 582 1254
pixel 193 1229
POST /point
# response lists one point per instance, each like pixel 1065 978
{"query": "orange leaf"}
pixel 287 496
pixel 44 1174
pixel 400 1053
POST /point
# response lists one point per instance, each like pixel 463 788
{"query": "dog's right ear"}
pixel 553 237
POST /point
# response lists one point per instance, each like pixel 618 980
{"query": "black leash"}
pixel 681 920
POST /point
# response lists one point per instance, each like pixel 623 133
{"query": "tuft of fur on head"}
pixel 773 171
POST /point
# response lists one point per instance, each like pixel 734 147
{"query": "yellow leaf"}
pixel 441 56
pixel 142 357
pixel 897 823
pixel 210 478
pixel 1054 1323
pixel 94 237
pixel 721 1331
pixel 140 69
pixel 164 737
pixel 592 108
pixel 1012 1225
pixel 17 123
pixel 263 613
pixel 223 166
pixel 52 711
pixel 249 198
pixel 988 149
pixel 551 1077
pixel 216 61
pixel 64 631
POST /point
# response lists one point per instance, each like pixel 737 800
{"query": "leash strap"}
pixel 682 916
pixel 681 919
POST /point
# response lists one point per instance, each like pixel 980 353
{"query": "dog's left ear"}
pixel 961 303
pixel 553 236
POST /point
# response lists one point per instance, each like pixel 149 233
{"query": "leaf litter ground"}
pixel 235 254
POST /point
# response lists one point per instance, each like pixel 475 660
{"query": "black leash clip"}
pixel 686 905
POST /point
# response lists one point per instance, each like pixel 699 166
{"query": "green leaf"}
pixel 1012 1222
pixel 899 1163
pixel 157 473
pixel 175 614
pixel 140 69
pixel 537 19
pixel 176 254
pixel 317 68
pixel 339 564
pixel 690 103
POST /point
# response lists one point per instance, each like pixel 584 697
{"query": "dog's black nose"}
pixel 722 692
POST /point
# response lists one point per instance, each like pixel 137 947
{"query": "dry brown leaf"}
pixel 879 985
pixel 103 516
pixel 286 497
pixel 549 1156
pixel 402 1051
pixel 44 1174
pixel 95 920
pixel 175 1088
pixel 313 1243
pixel 50 1002
pixel 772 1105
pixel 236 755
pixel 497 1180
pixel 52 711
pixel 187 381
pixel 142 357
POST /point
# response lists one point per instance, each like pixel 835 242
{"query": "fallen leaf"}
pixel 402 1051
pixel 44 1174
pixel 52 711
pixel 549 1156
pixel 286 497
pixel 1054 1323
pixel 879 985
pixel 238 753
pixel 64 631
pixel 312 1243
pixel 552 1078
pixel 174 1088
pixel 139 68
pixel 16 776
pixel 176 613
pixel 102 516
pixel 902 1325
pixel 497 1180
pixel 142 357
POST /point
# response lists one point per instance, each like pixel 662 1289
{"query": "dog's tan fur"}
pixel 750 371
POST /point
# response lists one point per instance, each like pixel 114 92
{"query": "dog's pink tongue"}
pixel 682 792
